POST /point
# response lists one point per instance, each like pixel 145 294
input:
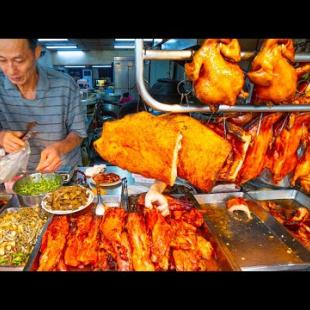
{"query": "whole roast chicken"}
pixel 217 77
pixel 273 73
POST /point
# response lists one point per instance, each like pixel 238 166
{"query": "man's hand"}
pixel 10 141
pixel 50 159
pixel 154 197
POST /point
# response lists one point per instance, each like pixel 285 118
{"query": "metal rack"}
pixel 141 54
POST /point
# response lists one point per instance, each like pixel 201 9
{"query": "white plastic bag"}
pixel 14 163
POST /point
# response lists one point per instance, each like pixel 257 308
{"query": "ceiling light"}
pixel 74 66
pixel 52 40
pixel 124 46
pixel 60 46
pixel 101 66
pixel 131 40
pixel 124 40
pixel 70 53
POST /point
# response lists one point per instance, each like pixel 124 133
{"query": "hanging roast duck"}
pixel 273 73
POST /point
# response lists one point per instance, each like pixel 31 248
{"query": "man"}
pixel 30 92
pixel 125 98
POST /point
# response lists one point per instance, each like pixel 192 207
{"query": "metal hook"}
pixel 259 124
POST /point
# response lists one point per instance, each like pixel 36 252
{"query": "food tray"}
pixel 35 254
pixel 14 209
pixel 223 257
pixel 289 199
pixel 259 244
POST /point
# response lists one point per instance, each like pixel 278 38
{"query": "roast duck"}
pixel 273 73
pixel 137 241
pixel 218 79
pixel 216 75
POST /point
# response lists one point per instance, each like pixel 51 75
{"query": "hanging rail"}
pixel 142 54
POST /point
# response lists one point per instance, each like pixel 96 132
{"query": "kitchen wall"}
pixel 88 58
pixel 46 60
pixel 159 69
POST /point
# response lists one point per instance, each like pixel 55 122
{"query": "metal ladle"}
pixel 100 209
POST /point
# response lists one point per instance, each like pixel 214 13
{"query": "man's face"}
pixel 17 60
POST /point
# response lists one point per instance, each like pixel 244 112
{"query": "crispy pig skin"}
pixel 140 243
pixel 113 223
pixel 161 235
pixel 76 239
pixel 285 147
pixel 112 229
pixel 302 171
pixel 240 142
pixel 203 151
pixel 54 243
pixel 88 254
pixel 141 143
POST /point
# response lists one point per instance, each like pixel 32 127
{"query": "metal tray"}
pixel 35 254
pixel 259 244
pixel 14 209
pixel 223 258
pixel 288 199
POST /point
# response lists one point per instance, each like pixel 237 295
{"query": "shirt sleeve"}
pixel 76 119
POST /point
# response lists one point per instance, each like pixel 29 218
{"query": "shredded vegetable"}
pixel 43 186
pixel 19 230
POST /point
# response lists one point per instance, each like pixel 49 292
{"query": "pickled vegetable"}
pixel 19 230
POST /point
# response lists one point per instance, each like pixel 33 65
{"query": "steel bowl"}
pixel 34 200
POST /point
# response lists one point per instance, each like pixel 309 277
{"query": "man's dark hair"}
pixel 32 43
pixel 126 94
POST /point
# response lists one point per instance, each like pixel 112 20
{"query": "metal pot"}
pixel 34 200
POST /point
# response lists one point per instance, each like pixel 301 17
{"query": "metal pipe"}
pixel 167 55
pixel 302 57
pixel 187 55
pixel 177 108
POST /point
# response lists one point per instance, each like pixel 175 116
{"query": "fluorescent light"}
pixel 101 66
pixel 74 66
pixel 52 40
pixel 130 40
pixel 70 53
pixel 60 46
pixel 124 46
pixel 124 40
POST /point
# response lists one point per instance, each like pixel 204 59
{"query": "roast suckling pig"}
pixel 217 77
pixel 202 154
pixel 282 158
pixel 262 133
pixel 240 141
pixel 238 204
pixel 297 221
pixel 142 143
pixel 141 241
pixel 164 147
pixel 302 170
